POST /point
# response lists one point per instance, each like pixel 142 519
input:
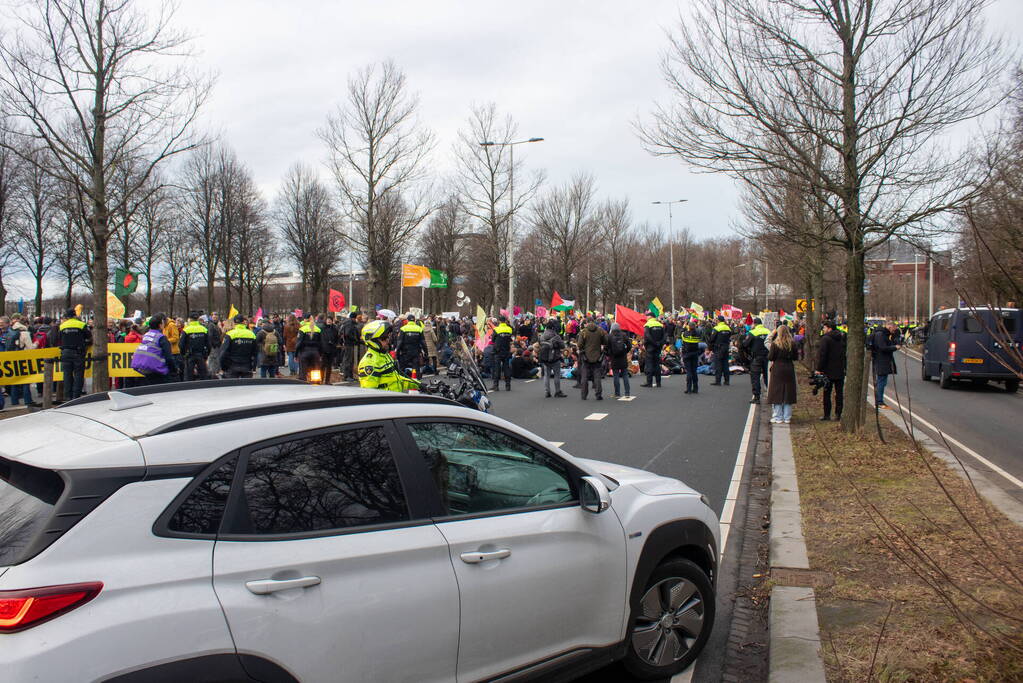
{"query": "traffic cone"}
pixel 414 390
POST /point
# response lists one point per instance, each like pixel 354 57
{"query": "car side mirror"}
pixel 594 496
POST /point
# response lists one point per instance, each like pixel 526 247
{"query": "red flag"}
pixel 556 300
pixel 749 319
pixel 781 312
pixel 335 301
pixel 629 320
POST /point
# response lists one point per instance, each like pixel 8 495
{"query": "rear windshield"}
pixel 27 497
pixel 973 325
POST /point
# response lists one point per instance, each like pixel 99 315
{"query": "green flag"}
pixel 125 282
pixel 438 278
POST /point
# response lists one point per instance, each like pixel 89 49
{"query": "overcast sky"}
pixel 575 73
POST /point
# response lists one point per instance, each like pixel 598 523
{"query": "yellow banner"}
pixel 26 367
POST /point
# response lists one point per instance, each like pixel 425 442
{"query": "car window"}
pixel 943 323
pixel 478 469
pixel 27 498
pixel 329 481
pixel 202 510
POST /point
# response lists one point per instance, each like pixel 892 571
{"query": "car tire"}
pixel 673 621
pixel 1012 385
pixel 924 375
pixel 945 377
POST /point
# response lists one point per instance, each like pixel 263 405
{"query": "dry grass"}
pixel 884 558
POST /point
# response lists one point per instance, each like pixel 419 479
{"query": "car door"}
pixel 538 576
pixel 323 566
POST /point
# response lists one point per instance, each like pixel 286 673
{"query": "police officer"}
pixel 411 345
pixel 503 334
pixel 691 338
pixel 309 348
pixel 755 345
pixel 195 346
pixel 653 342
pixel 238 350
pixel 377 369
pixel 75 338
pixel 720 340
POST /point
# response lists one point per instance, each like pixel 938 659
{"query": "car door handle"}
pixel 267 586
pixel 476 557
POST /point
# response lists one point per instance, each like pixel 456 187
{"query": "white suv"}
pixel 271 530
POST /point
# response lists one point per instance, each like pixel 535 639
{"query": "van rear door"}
pixel 1007 325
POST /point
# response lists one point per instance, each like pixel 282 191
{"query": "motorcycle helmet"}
pixel 373 332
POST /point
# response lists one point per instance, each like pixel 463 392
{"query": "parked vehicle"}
pixel 969 344
pixel 275 531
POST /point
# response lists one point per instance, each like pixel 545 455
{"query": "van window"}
pixel 942 323
pixel 972 325
pixel 1009 320
pixel 27 498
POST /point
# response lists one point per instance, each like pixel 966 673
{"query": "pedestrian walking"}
pixel 592 341
pixel 549 350
pixel 884 342
pixel 653 342
pixel 75 338
pixel 691 339
pixel 754 343
pixel 720 341
pixel 831 364
pixel 781 391
pixel 618 347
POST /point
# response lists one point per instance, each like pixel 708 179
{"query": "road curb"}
pixel 794 630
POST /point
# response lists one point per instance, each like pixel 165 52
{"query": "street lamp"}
pixel 511 213
pixel 734 268
pixel 671 248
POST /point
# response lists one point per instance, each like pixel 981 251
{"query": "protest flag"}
pixel 656 307
pixel 115 309
pixel 629 320
pixel 125 282
pixel 335 301
pixel 232 313
pixel 559 304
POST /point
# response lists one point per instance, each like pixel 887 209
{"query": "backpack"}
pixel 546 351
pixel 618 346
pixel 41 338
pixel 270 344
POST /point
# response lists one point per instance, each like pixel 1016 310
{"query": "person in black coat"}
pixel 329 337
pixel 884 342
pixel 618 346
pixel 831 364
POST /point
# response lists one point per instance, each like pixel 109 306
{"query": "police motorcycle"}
pixel 468 389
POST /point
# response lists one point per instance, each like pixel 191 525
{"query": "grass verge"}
pixel 917 594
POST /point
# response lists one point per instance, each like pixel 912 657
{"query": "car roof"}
pixel 148 411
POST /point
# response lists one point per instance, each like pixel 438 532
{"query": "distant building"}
pixel 900 258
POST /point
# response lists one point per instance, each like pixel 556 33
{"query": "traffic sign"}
pixel 801 305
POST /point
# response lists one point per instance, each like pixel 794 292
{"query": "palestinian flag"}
pixel 125 282
pixel 559 304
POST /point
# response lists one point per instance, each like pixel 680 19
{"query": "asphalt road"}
pixel 983 419
pixel 694 438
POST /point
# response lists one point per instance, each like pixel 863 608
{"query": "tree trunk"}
pixel 39 295
pixel 149 288
pixel 854 416
pixel 100 274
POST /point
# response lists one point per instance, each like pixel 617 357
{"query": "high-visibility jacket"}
pixel 503 334
pixel 653 335
pixel 239 349
pixel 75 337
pixel 691 341
pixel 411 342
pixel 721 337
pixel 755 340
pixel 309 339
pixel 196 339
pixel 377 370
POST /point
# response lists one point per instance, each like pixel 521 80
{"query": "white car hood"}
pixel 646 482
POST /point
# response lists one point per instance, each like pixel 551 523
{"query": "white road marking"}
pixel 959 444
pixel 530 380
pixel 627 398
pixel 595 416
pixel 557 444
pixel 733 487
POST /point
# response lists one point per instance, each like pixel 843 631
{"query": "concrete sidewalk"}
pixel 794 630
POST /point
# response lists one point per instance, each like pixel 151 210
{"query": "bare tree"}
pixel 377 155
pixel 200 214
pixel 182 259
pixel 87 80
pixel 564 221
pixel 873 82
pixel 153 216
pixel 35 225
pixel 483 182
pixel 620 261
pixel 310 229
pixel 9 172
pixel 443 246
pixel 70 249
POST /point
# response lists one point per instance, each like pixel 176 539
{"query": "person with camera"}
pixel 830 373
pixel 883 344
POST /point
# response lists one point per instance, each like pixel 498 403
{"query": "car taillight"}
pixel 951 352
pixel 22 609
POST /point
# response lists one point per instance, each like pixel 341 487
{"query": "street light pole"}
pixel 671 248
pixel 511 212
